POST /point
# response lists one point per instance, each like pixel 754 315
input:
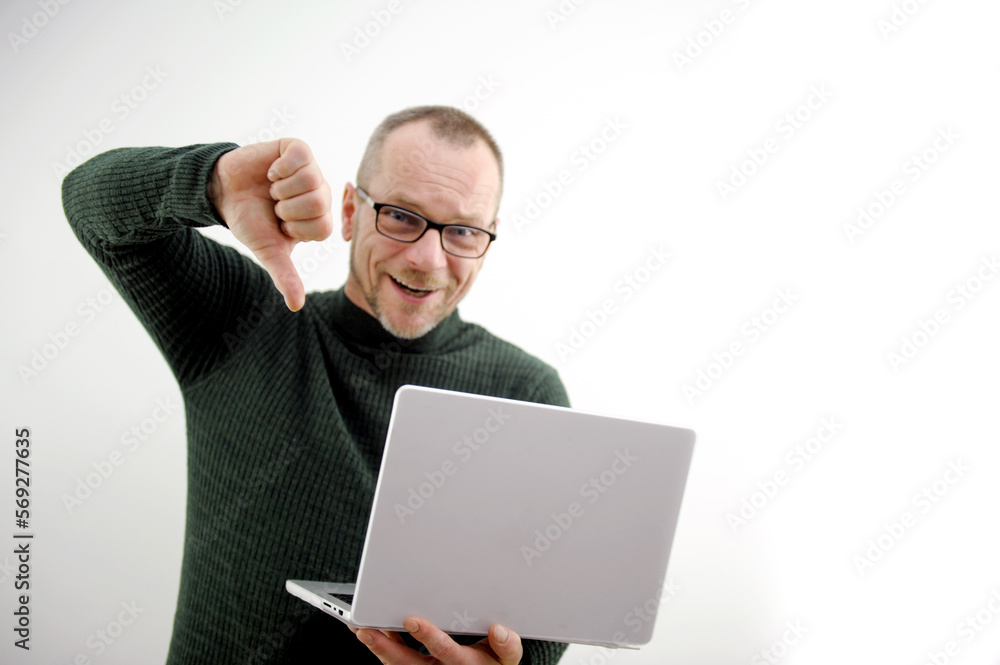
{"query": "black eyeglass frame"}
pixel 429 224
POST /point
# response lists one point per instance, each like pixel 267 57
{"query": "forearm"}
pixel 131 196
pixel 135 211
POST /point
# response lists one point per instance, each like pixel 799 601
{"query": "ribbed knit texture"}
pixel 286 412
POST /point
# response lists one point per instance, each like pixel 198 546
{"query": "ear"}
pixel 347 209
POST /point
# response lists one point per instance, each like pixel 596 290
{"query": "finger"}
pixel 438 643
pixel 309 229
pixel 305 206
pixel 393 635
pixel 388 650
pixel 293 155
pixel 279 266
pixel 307 179
pixel 506 645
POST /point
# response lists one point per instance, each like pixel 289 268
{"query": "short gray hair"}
pixel 447 123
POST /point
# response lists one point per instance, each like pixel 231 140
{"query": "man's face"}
pixel 411 287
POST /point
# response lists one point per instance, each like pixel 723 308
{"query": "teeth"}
pixel 412 288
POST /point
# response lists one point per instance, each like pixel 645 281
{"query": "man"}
pixel 287 406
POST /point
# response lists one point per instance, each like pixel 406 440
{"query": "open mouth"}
pixel 410 289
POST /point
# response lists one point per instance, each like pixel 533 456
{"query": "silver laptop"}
pixel 554 522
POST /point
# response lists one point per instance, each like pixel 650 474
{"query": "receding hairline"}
pixel 446 123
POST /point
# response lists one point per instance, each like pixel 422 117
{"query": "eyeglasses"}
pixel 467 242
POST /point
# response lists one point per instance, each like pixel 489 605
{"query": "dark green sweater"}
pixel 286 412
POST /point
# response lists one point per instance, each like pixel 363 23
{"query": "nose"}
pixel 427 254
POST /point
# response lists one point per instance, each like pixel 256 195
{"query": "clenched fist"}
pixel 272 196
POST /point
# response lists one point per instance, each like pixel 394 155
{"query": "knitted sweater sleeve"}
pixel 537 652
pixel 135 210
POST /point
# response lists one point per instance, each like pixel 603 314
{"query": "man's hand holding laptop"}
pixel 502 646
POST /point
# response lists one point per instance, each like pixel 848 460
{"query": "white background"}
pixel 232 73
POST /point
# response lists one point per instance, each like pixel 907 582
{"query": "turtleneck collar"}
pixel 358 326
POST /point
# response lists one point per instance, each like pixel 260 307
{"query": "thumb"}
pixel 506 644
pixel 278 263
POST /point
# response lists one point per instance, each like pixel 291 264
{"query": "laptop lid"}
pixel 555 522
